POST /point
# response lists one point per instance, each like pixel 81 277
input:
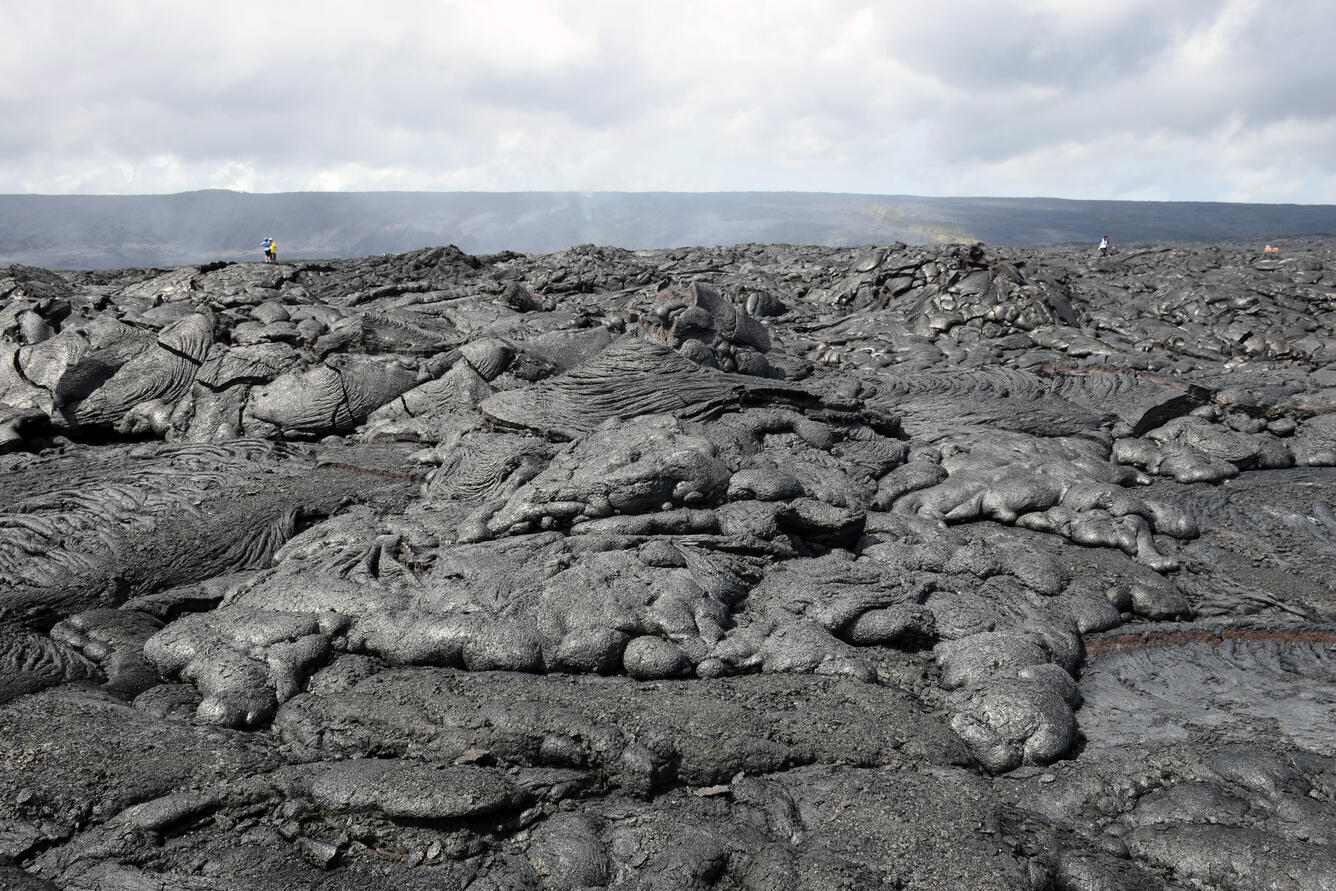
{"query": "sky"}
pixel 1193 100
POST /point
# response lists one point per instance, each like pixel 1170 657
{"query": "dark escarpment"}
pixel 758 567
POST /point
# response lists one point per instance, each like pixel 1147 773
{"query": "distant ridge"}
pixel 109 231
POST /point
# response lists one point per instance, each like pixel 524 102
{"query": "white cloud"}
pixel 1203 99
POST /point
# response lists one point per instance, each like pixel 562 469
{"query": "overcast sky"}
pixel 1216 100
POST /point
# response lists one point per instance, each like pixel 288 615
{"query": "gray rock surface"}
pixel 746 567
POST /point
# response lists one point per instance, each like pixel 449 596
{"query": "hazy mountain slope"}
pixel 82 231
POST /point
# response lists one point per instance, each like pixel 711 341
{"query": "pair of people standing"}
pixel 270 250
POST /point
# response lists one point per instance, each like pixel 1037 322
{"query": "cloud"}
pixel 1203 99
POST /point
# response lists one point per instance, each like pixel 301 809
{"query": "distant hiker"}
pixel 268 245
pixel 1104 246
pixel 273 251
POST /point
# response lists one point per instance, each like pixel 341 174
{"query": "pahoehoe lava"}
pixel 752 567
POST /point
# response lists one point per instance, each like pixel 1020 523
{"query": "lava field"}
pixel 757 567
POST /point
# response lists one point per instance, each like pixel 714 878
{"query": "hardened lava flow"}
pixel 758 567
